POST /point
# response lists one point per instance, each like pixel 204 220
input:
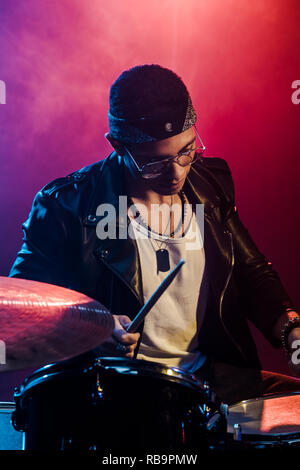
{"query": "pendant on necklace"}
pixel 163 260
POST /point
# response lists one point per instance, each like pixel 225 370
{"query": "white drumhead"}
pixel 273 415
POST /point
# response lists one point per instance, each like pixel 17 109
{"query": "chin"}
pixel 168 190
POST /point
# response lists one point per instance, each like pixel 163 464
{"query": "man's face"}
pixel 172 179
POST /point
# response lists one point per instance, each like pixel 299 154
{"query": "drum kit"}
pixel 79 400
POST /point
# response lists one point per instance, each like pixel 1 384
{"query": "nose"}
pixel 176 172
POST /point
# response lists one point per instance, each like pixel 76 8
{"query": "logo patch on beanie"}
pixel 168 127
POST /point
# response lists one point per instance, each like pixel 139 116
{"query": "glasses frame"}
pixel 168 159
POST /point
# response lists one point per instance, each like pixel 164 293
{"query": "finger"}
pixel 110 345
pixel 129 352
pixel 121 323
pixel 116 348
pixel 129 338
pixel 126 351
pixel 124 320
pixel 126 338
pixel 129 355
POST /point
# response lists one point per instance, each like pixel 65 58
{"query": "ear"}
pixel 115 144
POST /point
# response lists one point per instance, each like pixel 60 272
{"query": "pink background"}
pixel 238 58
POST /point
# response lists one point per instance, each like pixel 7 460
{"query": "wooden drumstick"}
pixel 154 298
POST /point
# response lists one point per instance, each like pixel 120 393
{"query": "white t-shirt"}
pixel 170 334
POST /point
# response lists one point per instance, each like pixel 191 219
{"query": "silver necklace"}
pixel 162 254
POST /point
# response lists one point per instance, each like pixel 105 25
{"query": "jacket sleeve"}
pixel 45 252
pixel 264 297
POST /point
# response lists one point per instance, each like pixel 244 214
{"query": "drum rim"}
pixel 7 405
pixel 175 374
pixel 71 367
pixel 264 437
pixel 40 375
pixel 264 397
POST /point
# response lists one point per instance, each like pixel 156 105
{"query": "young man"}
pixel 200 322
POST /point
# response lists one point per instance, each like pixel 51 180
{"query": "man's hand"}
pixel 294 344
pixel 121 337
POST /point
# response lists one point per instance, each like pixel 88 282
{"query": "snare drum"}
pixel 112 403
pixel 270 421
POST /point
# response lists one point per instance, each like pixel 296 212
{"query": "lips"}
pixel 171 183
pixel 174 185
pixel 168 188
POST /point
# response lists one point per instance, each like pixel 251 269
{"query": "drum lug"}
pixel 19 416
pixel 237 432
pixel 212 402
pixel 224 410
pixel 97 394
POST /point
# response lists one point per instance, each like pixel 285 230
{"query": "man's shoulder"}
pixel 216 173
pixel 76 193
pixel 78 177
pixel 215 170
pixel 214 164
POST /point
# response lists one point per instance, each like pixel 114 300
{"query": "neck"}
pixel 139 191
pixel 158 219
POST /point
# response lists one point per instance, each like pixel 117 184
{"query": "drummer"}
pixel 178 204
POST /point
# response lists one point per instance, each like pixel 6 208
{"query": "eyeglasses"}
pixel 155 169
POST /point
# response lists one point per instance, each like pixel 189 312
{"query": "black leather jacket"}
pixel 60 246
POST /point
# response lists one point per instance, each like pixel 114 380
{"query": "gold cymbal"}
pixel 42 323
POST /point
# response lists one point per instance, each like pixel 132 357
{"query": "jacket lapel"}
pixel 119 254
pixel 216 240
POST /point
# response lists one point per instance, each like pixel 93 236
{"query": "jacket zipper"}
pixel 223 294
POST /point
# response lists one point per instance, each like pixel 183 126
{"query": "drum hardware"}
pixel 97 391
pixel 237 432
pixel 216 432
pixel 19 415
pixel 217 428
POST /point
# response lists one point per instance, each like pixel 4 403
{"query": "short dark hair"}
pixel 144 89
